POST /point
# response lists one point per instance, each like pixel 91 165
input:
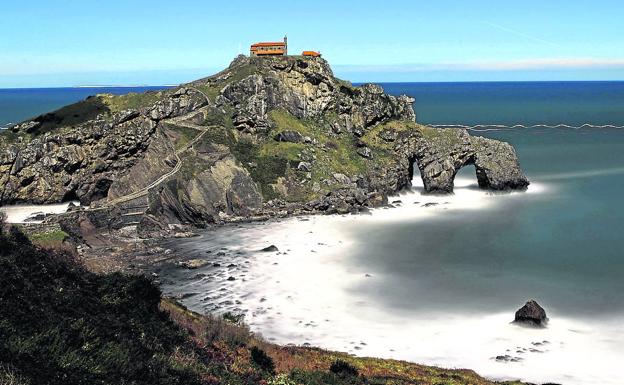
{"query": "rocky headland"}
pixel 265 137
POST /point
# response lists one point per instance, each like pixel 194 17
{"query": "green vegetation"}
pixel 85 110
pixel 334 154
pixel 183 135
pixel 131 101
pixel 209 90
pixel 62 325
pixel 51 236
pixel 260 358
pixel 68 116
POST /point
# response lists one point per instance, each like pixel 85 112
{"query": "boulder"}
pixel 269 249
pixel 289 136
pixel 342 178
pixel 35 217
pixel 304 166
pixel 365 152
pixel 531 314
pixel 193 263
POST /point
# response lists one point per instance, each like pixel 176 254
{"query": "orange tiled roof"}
pixel 266 44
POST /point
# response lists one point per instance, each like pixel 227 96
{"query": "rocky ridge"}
pixel 264 137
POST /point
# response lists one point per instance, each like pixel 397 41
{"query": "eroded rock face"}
pixel 445 151
pixel 531 314
pixel 82 162
pixel 307 89
pixel 440 153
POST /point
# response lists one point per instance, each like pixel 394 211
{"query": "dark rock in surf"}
pixel 531 314
pixel 269 249
pixel 35 217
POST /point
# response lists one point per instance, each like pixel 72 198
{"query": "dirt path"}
pixel 178 121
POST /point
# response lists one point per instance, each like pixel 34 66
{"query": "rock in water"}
pixel 193 263
pixel 270 249
pixel 531 314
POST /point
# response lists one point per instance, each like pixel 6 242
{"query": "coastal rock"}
pixel 268 136
pixel 531 314
pixel 269 249
pixel 35 217
pixel 193 263
pixel 445 151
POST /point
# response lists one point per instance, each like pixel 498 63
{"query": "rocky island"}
pixel 266 137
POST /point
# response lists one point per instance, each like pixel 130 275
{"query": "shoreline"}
pixel 318 280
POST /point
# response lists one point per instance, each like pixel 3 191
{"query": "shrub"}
pixel 9 377
pixel 260 358
pixel 236 319
pixel 208 328
pixel 318 377
pixel 281 379
pixel 3 224
pixel 343 368
pixel 60 324
pixel 218 329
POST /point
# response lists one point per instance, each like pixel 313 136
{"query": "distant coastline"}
pixel 121 86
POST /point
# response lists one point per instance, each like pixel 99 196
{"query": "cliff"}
pixel 266 136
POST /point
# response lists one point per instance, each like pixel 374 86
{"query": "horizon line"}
pixel 354 82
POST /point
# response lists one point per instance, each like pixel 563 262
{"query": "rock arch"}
pixel 443 152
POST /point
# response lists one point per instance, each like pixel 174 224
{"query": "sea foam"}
pixel 307 294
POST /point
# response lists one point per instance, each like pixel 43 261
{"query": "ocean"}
pixel 440 284
pixel 19 104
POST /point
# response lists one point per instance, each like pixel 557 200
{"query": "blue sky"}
pixel 75 42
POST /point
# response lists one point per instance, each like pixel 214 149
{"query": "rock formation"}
pixel 266 136
pixel 531 314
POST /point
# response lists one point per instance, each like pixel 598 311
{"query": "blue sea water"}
pixel 19 104
pixel 512 103
pixel 561 243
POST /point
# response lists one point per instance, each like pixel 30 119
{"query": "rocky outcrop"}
pixel 307 89
pixel 443 152
pixel 531 314
pixel 82 162
pixel 267 136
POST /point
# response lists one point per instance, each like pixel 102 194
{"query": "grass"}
pixel 131 101
pixel 50 236
pixel 334 154
pixel 209 90
pixel 183 135
pixel 69 116
pixel 83 111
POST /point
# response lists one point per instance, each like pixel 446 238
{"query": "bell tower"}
pixel 285 45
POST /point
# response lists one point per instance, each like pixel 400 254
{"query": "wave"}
pixel 309 293
pixel 498 127
pixel 20 213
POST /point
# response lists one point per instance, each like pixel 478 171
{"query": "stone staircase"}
pixel 132 211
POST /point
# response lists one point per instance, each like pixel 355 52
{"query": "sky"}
pixel 51 43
